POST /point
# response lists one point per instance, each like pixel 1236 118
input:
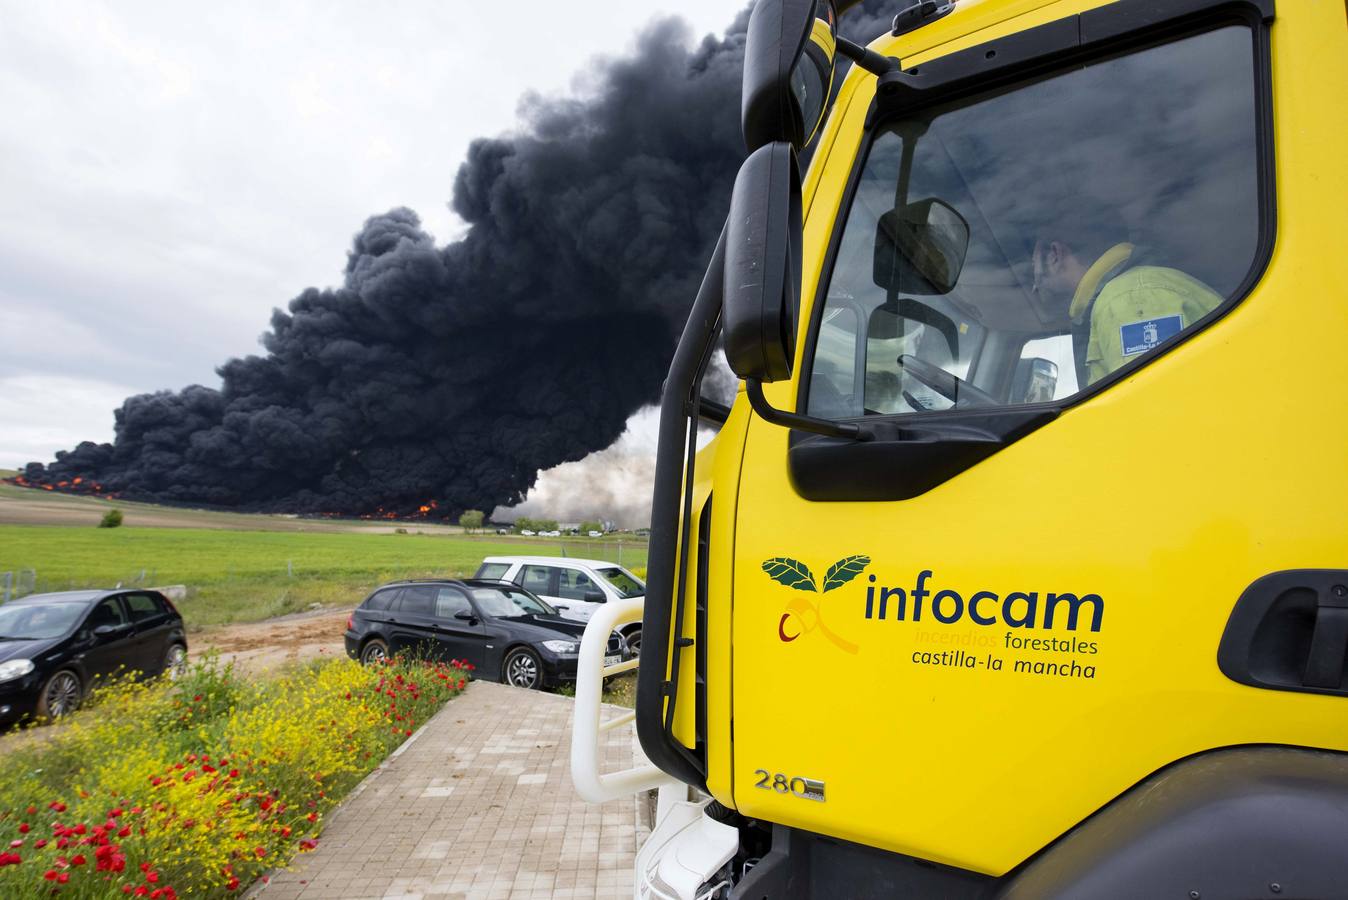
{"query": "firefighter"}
pixel 1120 303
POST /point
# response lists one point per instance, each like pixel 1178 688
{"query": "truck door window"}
pixel 1110 208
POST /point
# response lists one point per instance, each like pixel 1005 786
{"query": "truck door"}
pixel 1091 393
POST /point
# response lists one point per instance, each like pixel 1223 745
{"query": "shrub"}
pixel 197 787
pixel 471 520
pixel 111 519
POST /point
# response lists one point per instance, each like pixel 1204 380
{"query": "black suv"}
pixel 55 647
pixel 505 632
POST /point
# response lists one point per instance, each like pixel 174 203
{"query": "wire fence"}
pixel 22 582
pixel 625 553
pixel 17 584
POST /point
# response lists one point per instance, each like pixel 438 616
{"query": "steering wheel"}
pixel 952 387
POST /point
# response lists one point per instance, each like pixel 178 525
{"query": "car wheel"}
pixel 175 662
pixel 522 669
pixel 634 641
pixel 374 652
pixel 60 696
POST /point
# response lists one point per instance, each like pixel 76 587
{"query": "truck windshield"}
pixel 627 584
pixel 1108 208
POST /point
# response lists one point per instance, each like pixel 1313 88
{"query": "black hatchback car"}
pixel 55 647
pixel 505 632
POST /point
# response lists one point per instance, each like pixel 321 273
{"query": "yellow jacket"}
pixel 1137 309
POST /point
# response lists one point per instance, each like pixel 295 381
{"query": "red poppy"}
pixel 24 828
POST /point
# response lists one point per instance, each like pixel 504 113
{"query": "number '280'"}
pixel 804 788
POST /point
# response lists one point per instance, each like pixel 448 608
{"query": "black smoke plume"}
pixel 442 378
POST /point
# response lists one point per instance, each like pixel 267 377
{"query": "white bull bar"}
pixel 588 724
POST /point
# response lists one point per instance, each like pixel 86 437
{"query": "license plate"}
pixel 612 660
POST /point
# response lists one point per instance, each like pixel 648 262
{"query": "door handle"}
pixel 1289 632
pixel 1329 640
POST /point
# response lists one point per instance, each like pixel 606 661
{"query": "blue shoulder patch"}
pixel 1138 337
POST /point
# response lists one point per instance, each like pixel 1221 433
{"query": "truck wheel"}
pixel 522 669
pixel 60 696
pixel 374 652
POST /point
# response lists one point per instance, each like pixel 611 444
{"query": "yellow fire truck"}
pixel 1019 565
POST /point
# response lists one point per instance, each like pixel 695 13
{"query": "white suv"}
pixel 576 587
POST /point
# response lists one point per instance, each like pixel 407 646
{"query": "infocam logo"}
pixel 1017 609
pixel 803 615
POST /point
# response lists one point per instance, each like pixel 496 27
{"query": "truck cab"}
pixel 1017 567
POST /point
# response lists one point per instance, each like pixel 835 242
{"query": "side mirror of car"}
pixel 593 596
pixel 103 631
pixel 466 617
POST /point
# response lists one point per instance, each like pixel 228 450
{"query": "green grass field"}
pixel 245 576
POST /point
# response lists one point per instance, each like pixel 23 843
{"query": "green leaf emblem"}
pixel 844 570
pixel 791 572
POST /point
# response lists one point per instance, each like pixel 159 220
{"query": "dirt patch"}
pixel 258 646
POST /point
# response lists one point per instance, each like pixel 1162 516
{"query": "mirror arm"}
pixel 801 423
pixel 866 58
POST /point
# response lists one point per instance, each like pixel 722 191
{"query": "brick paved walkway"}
pixel 479 804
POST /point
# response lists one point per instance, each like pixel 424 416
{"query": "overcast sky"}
pixel 171 172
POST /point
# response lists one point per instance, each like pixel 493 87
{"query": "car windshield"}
pixel 502 603
pixel 627 584
pixel 32 622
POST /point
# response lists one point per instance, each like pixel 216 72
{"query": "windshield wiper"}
pixel 15 637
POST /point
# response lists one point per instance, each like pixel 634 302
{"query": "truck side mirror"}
pixel 1035 380
pixel 788 71
pixel 920 248
pixel 762 265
